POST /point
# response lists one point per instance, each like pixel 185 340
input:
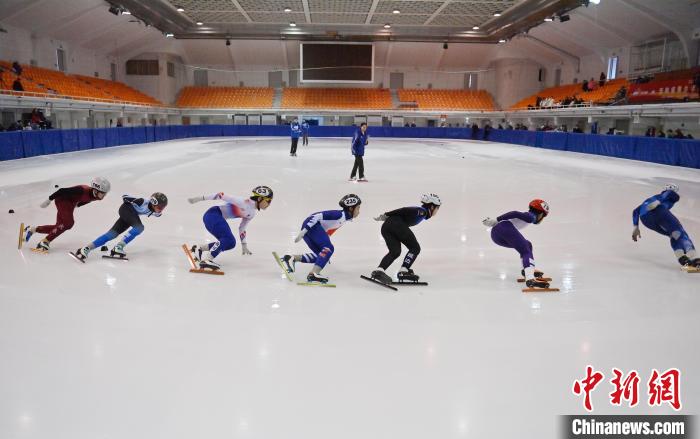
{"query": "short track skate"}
pixel 194 268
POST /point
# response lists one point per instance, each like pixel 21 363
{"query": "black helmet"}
pixel 262 192
pixel 159 199
pixel 350 200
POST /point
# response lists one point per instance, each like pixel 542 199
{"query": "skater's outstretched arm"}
pixel 527 217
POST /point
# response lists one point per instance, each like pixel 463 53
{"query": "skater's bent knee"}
pixel 326 251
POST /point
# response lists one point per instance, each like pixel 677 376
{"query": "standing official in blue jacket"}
pixel 359 140
pixel 305 132
pixel 296 133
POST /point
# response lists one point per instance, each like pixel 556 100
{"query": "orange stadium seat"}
pixel 226 97
pixel 337 98
pixel 448 99
pixel 600 95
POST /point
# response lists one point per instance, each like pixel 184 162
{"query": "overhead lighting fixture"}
pixel 169 35
pixel 199 23
pixel 475 27
pixel 502 40
pixel 125 12
pixel 595 2
pixel 396 11
pixel 548 19
pixel 293 24
pixel 387 26
pixel 180 9
pixel 288 9
pixel 496 14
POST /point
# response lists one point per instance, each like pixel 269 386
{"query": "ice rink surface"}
pixel 145 349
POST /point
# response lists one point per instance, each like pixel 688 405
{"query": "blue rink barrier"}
pixel 675 152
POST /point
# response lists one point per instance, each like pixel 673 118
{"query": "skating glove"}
pixel 244 250
pixel 45 204
pixel 381 217
pixel 195 199
pixel 635 234
pixel 300 236
pixel 488 222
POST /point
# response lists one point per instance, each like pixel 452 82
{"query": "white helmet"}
pixel 671 187
pixel 101 184
pixel 430 199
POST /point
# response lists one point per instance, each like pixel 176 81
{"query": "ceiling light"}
pixel 180 9
pixel 595 2
pixel 396 11
pixel 549 19
pixel 125 12
pixel 502 40
pixel 293 24
pixel 475 27
pixel 496 14
pixel 169 35
pixel 287 9
pixel 199 23
pixel 387 26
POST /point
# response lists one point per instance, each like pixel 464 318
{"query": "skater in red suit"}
pixel 67 199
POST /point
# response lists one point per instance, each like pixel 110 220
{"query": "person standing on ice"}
pixel 396 231
pixel 316 231
pixel 505 231
pixel 215 222
pixel 129 212
pixel 295 133
pixel 655 213
pixel 359 140
pixel 305 132
pixel 66 200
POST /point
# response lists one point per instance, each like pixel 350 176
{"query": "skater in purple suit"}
pixel 506 233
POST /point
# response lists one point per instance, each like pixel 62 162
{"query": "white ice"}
pixel 145 349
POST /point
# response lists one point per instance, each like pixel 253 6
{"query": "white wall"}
pixel 20 45
pixel 161 86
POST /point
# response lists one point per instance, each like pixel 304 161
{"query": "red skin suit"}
pixel 66 199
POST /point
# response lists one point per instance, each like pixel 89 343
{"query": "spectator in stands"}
pixel 577 129
pixel 669 134
pixel 509 126
pixel 487 131
pixel 406 125
pixel 648 133
pixel 413 124
pixel 584 85
pixel 15 126
pixel 661 133
pixel 696 81
pixel 17 85
pixel 359 141
pixel 538 102
pixel 16 68
pixel 679 134
pixel 689 136
pixel 119 123
pixel 500 127
pixel 475 130
pixel 592 85
pixel 611 132
pixel 601 80
pixel 621 94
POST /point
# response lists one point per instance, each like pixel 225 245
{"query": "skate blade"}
pixel 76 257
pixel 408 282
pixel 20 240
pixel 374 281
pixel 689 269
pixel 315 284
pixel 40 251
pixel 206 271
pixel 118 258
pixel 543 279
pixel 540 290
pixel 286 272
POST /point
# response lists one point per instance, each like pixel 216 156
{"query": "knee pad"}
pixel 676 234
pixel 326 252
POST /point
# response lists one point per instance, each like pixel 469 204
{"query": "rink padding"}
pixel 21 144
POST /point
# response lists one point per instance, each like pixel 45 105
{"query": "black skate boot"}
pixel 289 262
pixel 407 275
pixel 316 278
pixel 42 246
pixel 695 263
pixel 81 254
pixel 196 253
pixel 118 252
pixel 535 283
pixel 381 276
pixel 208 264
pixel 684 260
pixel 538 274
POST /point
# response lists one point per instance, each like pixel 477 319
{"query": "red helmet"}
pixel 540 206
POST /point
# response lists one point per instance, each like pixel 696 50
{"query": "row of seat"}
pixel 598 96
pixel 37 80
pixel 332 98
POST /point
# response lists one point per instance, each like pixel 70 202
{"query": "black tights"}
pixel 359 164
pixel 395 232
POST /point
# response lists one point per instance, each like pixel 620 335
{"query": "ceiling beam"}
pixel 578 42
pixel 28 5
pixel 606 27
pixel 556 50
pixel 437 12
pixel 372 8
pixel 241 10
pixel 307 12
